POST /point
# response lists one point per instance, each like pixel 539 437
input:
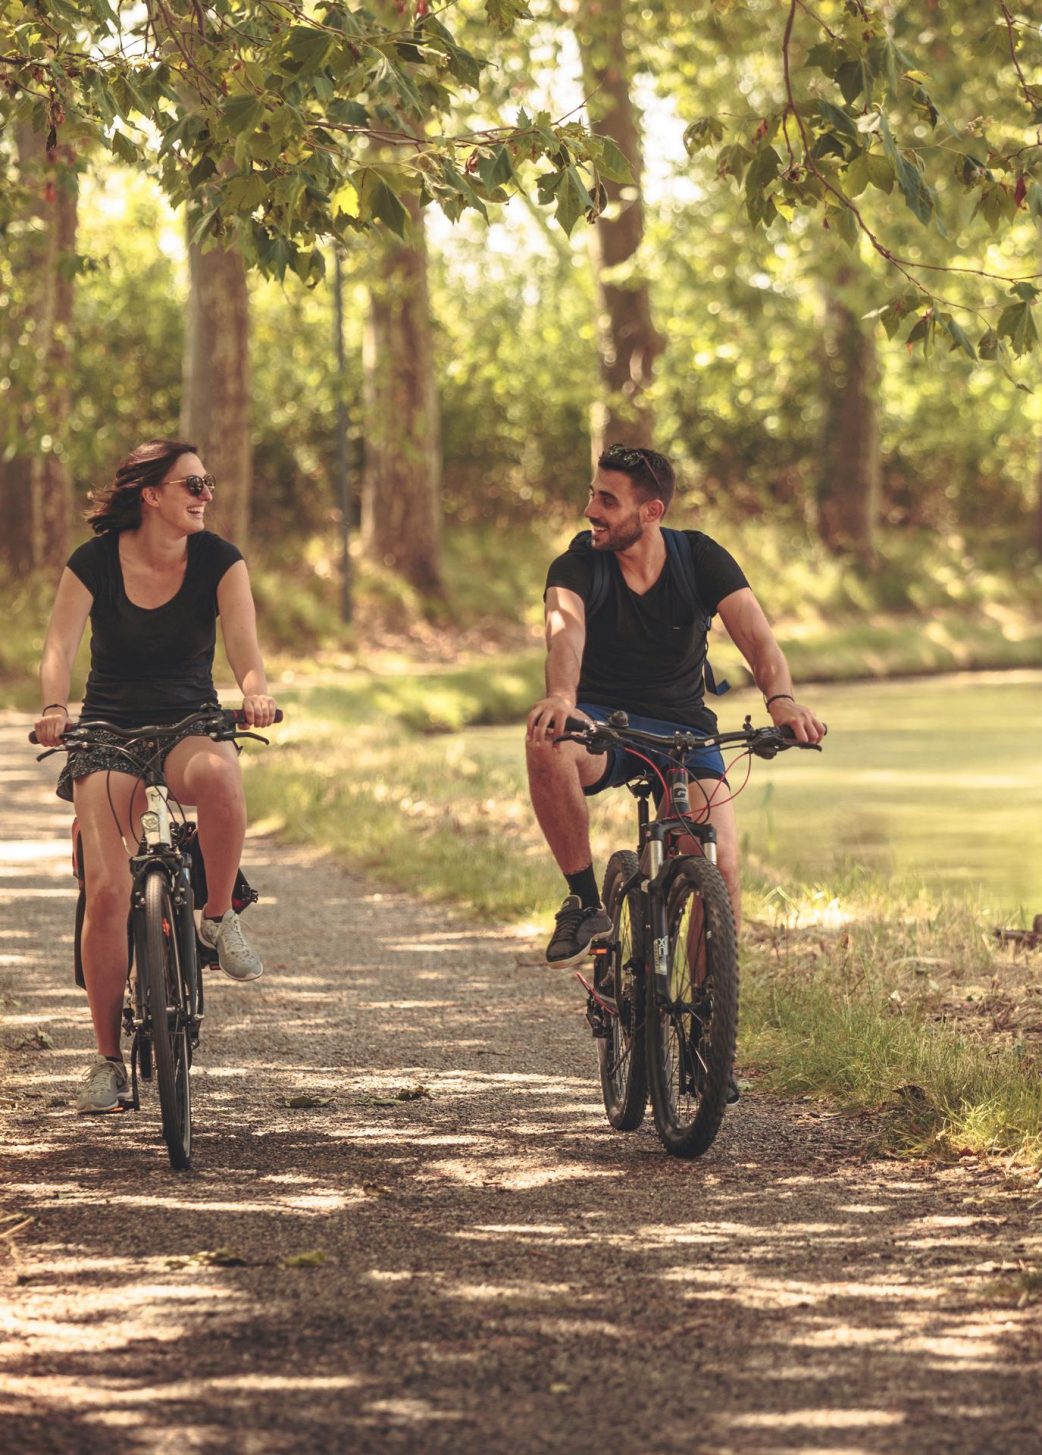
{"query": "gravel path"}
pixel 485 1267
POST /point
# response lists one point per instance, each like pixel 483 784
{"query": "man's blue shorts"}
pixel 620 765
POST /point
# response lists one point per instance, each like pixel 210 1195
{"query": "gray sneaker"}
pixel 105 1087
pixel 575 931
pixel 235 955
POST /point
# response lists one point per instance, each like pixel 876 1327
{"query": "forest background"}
pixel 401 271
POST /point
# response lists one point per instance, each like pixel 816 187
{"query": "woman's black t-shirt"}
pixel 644 653
pixel 151 664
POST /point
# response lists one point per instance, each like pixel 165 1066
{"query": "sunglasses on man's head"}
pixel 196 484
pixel 630 459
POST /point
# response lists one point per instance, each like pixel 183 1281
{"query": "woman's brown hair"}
pixel 119 506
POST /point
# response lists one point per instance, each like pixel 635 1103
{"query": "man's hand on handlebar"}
pixel 548 717
pixel 806 726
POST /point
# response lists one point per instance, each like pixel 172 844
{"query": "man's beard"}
pixel 621 537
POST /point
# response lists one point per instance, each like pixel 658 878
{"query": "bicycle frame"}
pixel 658 847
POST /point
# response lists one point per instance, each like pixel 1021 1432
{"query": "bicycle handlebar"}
pixel 227 721
pixel 598 737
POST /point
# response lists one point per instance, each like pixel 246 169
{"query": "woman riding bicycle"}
pixel 153 582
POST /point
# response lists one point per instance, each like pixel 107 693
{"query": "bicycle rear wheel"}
pixel 167 1018
pixel 623 1051
pixel 692 1027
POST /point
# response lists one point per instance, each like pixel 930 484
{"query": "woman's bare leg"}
pixel 207 774
pixel 108 806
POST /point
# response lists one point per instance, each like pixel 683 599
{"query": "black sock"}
pixel 116 1060
pixel 585 886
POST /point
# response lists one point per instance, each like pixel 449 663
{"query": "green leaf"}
pixel 573 200
pixel 838 119
pixel 309 47
pixel 843 222
pixel 880 171
pixel 1017 323
pixel 917 194
pixel 958 335
pixel 923 331
pixel 347 113
pixel 386 206
pixel 124 148
pixel 707 131
pixel 504 14
pixel 1033 197
pixel 495 168
pixel 609 160
pixel 246 191
pixel 855 179
pixel 243 113
pixel 764 167
pixel 732 161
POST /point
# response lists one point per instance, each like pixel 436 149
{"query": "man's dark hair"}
pixel 119 506
pixel 651 473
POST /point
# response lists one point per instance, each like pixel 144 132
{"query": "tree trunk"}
pixel 628 341
pixel 401 492
pixel 215 406
pixel 848 490
pixel 51 483
pixel 35 488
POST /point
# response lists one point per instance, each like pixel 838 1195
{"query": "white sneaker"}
pixel 235 955
pixel 105 1087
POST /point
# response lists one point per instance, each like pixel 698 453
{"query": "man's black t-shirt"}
pixel 644 653
pixel 151 665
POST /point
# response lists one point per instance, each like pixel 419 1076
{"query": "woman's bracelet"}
pixel 786 695
pixel 56 704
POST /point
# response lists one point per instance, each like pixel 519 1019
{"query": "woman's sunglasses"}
pixel 196 484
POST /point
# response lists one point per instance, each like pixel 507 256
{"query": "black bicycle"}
pixel 663 1005
pixel 165 1002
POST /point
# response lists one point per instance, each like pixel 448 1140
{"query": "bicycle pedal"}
pixel 596 1019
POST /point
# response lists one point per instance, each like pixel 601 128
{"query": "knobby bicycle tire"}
pixel 691 1033
pixel 622 1053
pixel 165 993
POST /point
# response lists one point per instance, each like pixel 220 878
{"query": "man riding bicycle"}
pixel 627 615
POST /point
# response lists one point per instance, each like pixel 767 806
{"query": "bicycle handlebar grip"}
pixel 240 716
pixel 576 725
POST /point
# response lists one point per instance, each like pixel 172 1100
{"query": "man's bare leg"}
pixel 556 777
pixel 556 774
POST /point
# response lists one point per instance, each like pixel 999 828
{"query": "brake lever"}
pixel 48 754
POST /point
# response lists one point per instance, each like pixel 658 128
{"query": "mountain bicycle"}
pixel 165 1002
pixel 663 1005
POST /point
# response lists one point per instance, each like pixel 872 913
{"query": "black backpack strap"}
pixel 682 559
pixel 583 543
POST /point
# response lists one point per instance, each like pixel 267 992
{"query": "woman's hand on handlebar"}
pixel 50 727
pixel 258 709
pixel 549 716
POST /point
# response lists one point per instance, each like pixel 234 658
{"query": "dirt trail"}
pixel 501 1271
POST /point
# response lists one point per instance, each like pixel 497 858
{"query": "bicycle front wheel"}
pixel 622 1052
pixel 167 1018
pixel 692 1023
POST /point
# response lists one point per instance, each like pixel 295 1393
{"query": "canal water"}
pixel 936 779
